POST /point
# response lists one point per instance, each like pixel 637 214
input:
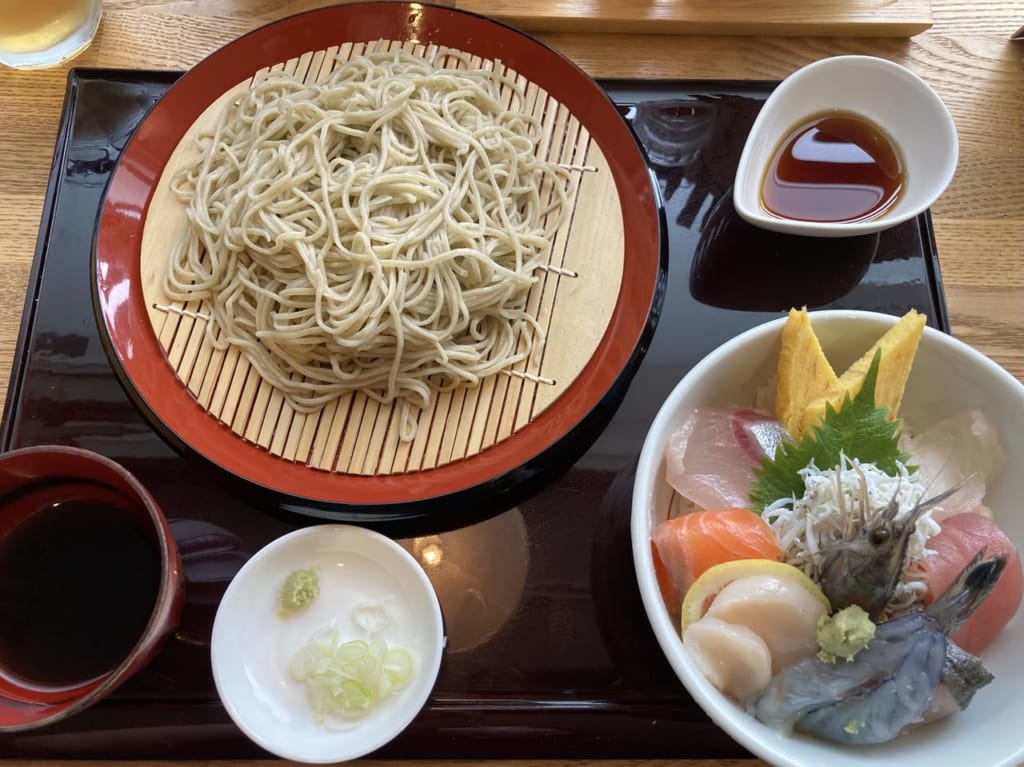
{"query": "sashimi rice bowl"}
pixel 826 526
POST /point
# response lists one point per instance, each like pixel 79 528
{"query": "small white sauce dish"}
pixel 360 572
pixel 948 377
pixel 887 94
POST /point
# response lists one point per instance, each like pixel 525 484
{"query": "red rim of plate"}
pixel 121 304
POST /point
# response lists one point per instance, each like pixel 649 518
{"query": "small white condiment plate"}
pixel 892 97
pixel 253 643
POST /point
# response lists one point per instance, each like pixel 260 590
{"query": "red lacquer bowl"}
pixel 513 463
pixel 56 482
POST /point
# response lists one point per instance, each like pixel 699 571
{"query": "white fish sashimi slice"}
pixel 962 448
pixel 710 458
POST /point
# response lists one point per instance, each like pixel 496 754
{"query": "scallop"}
pixel 782 613
pixel 732 657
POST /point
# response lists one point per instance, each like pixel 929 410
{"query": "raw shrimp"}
pixel 864 571
pixel 890 684
pixel 838 506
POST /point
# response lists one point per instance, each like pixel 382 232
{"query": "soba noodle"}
pixel 379 231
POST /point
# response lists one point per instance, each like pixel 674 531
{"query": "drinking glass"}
pixel 44 33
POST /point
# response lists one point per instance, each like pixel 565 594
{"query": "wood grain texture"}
pixel 853 18
pixel 965 55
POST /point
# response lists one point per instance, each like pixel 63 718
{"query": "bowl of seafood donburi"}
pixel 825 527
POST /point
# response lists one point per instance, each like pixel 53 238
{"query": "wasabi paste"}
pixel 300 589
pixel 844 634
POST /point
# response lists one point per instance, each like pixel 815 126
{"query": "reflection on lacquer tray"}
pixel 210 557
pixel 739 266
pixel 714 130
pixel 674 131
pixel 621 619
pixel 479 573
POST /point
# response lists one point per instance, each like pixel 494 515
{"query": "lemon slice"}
pixel 714 579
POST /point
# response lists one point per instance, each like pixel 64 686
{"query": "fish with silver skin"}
pixel 891 684
pixel 963 675
pixel 864 571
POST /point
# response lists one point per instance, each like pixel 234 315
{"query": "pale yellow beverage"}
pixel 39 33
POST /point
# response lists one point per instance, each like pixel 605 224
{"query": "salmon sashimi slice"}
pixel 688 545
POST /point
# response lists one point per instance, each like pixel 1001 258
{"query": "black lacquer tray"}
pixel 550 654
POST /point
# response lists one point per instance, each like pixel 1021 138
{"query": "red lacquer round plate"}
pixel 520 459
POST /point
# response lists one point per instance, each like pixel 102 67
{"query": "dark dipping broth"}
pixel 834 167
pixel 79 578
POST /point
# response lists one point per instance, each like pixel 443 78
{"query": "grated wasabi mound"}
pixel 300 589
pixel 844 634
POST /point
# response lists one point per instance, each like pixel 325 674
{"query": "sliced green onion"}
pixel 398 666
pixel 347 679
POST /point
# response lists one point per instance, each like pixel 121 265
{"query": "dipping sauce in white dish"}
pixel 834 166
pixel 906 109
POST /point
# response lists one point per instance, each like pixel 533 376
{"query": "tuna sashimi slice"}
pixel 710 458
pixel 962 536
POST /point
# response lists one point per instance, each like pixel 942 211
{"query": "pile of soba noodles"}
pixel 379 231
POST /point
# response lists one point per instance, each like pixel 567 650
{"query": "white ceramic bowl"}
pixel 948 376
pixel 253 644
pixel 902 104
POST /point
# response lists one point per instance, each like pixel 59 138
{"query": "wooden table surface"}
pixel 966 55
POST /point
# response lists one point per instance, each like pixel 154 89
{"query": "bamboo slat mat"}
pixel 573 300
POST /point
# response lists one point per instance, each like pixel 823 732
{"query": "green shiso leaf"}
pixel 857 430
